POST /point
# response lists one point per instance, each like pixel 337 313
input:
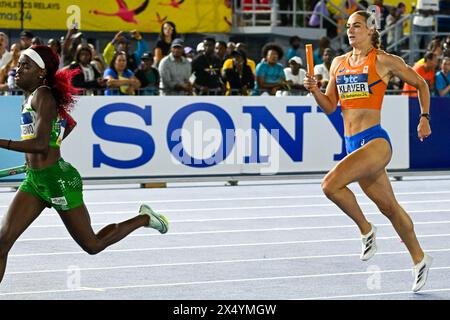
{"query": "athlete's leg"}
pixel 24 209
pixel 78 223
pixel 362 163
pixel 378 188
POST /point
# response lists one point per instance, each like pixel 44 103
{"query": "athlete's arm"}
pixel 45 106
pixel 71 123
pixel 327 101
pixel 396 66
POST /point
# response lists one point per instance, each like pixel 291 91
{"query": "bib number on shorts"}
pixel 60 201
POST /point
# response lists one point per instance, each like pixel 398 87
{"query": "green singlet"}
pixel 60 185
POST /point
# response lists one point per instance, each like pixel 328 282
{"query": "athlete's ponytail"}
pixel 376 39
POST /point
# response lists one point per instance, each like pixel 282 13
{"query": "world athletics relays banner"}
pixel 113 15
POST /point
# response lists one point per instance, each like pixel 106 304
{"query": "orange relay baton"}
pixel 309 59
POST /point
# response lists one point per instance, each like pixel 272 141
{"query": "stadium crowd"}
pixel 127 65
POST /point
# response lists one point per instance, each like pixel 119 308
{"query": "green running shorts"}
pixel 59 186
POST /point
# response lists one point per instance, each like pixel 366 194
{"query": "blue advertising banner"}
pixel 10 129
pixel 433 152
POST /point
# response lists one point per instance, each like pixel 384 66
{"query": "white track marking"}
pixel 361 295
pixel 196 263
pixel 313 196
pixel 241 218
pixel 190 233
pixel 209 282
pixel 217 246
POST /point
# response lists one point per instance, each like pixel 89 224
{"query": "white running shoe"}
pixel 420 271
pixel 368 245
pixel 157 221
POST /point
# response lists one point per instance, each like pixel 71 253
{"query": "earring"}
pixel 41 77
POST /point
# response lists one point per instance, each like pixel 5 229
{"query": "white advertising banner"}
pixel 196 136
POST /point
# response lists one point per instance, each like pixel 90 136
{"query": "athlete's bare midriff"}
pixel 357 120
pixel 41 161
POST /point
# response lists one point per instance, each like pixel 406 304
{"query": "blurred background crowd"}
pixel 245 62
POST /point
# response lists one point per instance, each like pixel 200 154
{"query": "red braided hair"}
pixel 60 81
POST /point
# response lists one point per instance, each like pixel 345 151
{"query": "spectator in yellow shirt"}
pixel 241 47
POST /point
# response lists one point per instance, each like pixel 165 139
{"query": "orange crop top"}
pixel 360 87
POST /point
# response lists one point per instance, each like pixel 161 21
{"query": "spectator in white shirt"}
pixel 423 24
pixel 5 55
pixel 396 14
pixel 294 77
pixel 8 71
pixel 322 71
pixel 175 71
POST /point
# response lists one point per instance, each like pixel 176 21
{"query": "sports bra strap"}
pixel 43 86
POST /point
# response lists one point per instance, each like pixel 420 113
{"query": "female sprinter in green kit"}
pixel 50 181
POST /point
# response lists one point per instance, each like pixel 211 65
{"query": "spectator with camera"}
pixel 121 42
pixel 70 44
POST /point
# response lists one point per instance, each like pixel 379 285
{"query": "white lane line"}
pixel 240 218
pixel 112 212
pixel 191 233
pixel 248 208
pixel 196 263
pixel 53 291
pixel 224 281
pixel 361 295
pixel 20 255
pixel 312 196
pixel 275 217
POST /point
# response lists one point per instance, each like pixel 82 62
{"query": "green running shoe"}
pixel 157 221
